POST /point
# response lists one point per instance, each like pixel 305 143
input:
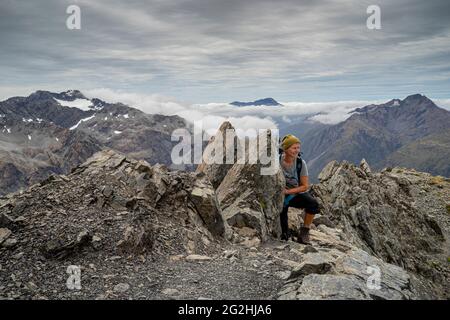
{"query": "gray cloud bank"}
pixel 213 50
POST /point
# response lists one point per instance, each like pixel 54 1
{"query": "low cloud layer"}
pixel 255 117
pixel 208 119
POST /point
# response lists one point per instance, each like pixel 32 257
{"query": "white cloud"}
pixel 158 104
pixel 149 103
pixel 443 103
pixel 325 112
pixel 212 115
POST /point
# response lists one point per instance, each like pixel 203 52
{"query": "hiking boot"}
pixel 284 237
pixel 303 236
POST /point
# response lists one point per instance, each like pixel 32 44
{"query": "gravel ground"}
pixel 235 272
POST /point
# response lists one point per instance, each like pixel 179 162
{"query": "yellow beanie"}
pixel 289 140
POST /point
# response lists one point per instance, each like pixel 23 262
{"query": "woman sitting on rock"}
pixel 297 185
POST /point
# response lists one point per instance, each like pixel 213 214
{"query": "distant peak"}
pixel 72 94
pixel 41 94
pixel 417 98
pixel 68 95
pixel 260 102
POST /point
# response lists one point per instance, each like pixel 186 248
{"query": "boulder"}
pixel 339 275
pixel 205 201
pixel 214 159
pixel 137 238
pixel 4 234
pixel 319 263
pixel 197 257
pixel 251 199
pixel 62 248
pixel 295 219
pixel 6 221
pixel 323 220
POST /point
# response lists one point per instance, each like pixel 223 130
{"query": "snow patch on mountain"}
pixel 82 104
pixel 82 120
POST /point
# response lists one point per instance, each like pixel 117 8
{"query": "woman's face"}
pixel 293 150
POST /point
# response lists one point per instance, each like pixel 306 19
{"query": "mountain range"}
pixel 413 133
pixel 50 133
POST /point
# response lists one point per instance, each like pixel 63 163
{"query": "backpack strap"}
pixel 299 166
pixel 299 163
pixel 280 153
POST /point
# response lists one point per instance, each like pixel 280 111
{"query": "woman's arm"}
pixel 304 186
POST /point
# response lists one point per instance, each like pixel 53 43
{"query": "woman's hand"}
pixel 295 190
pixel 290 191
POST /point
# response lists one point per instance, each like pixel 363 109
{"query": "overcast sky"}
pixel 201 51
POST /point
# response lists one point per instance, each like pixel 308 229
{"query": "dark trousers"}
pixel 303 201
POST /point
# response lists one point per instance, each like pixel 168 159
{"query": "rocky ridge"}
pixel 139 231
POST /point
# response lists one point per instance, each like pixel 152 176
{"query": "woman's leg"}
pixel 309 217
pixel 311 206
pixel 307 202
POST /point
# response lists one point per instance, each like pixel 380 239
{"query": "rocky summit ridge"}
pixel 142 231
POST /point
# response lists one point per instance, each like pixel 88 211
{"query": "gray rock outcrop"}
pixel 139 231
